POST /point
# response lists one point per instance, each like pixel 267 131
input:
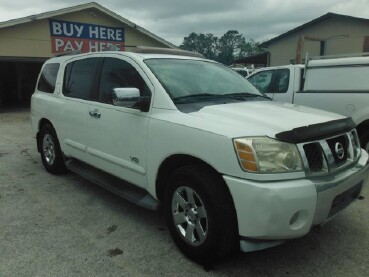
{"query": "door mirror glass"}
pixel 125 97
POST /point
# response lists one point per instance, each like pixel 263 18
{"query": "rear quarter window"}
pixel 47 80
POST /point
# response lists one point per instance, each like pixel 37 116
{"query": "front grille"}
pixel 330 154
pixel 314 156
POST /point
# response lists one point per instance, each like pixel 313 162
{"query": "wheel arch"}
pixel 363 132
pixel 173 162
pixel 362 127
pixel 223 239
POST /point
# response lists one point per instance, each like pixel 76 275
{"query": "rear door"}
pixel 77 89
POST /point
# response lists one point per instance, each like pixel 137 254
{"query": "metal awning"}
pixel 23 59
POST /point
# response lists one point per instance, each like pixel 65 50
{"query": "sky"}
pixel 174 19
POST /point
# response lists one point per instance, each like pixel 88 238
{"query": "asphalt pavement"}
pixel 67 226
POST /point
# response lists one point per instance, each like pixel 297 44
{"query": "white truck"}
pixel 231 168
pixel 336 84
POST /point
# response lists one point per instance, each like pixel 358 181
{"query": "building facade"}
pixel 25 43
pixel 330 34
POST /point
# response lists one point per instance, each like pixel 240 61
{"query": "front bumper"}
pixel 288 209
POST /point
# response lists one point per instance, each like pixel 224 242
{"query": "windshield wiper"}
pixel 243 95
pixel 209 96
pixel 195 97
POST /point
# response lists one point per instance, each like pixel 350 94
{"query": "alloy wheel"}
pixel 189 215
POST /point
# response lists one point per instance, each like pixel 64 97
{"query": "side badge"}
pixel 135 160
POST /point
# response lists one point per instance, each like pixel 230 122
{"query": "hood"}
pixel 258 118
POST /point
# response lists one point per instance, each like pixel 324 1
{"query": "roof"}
pixel 81 7
pixel 310 23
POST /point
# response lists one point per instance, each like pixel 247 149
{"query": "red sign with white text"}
pixel 61 44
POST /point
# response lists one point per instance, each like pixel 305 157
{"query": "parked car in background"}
pixel 243 71
pixel 231 168
pixel 338 85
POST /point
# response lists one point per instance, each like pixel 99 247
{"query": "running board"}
pixel 121 188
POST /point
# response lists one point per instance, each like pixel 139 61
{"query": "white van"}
pixel 338 85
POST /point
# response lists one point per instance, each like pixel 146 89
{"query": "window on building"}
pixel 366 44
pixel 323 47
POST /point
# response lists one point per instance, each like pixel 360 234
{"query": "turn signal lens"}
pixel 246 156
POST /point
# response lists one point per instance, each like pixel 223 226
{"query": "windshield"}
pixel 197 80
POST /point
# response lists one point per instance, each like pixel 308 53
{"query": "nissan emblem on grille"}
pixel 339 150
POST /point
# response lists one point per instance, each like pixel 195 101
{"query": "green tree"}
pixel 251 48
pixel 226 49
pixel 205 44
pixel 231 46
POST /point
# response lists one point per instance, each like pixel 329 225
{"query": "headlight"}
pixel 266 155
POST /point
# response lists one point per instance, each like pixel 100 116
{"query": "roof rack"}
pixel 143 50
pixel 170 51
pixel 352 55
pixel 68 53
pixel 328 57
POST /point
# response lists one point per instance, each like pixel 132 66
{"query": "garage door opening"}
pixel 17 82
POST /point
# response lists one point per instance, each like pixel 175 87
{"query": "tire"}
pixel 51 155
pixel 200 214
pixel 364 141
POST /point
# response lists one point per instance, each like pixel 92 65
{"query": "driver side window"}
pixel 271 81
pixel 262 80
pixel 117 73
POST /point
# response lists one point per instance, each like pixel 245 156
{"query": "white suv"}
pixel 231 168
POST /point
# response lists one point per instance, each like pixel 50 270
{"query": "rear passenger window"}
pixel 79 78
pixel 47 80
pixel 282 79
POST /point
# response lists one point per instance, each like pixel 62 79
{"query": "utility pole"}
pixel 300 44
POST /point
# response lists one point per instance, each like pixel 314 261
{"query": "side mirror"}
pixel 125 97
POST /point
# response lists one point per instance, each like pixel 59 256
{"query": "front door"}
pixel 117 140
pixel 276 83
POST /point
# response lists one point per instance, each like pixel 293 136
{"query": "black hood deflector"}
pixel 317 131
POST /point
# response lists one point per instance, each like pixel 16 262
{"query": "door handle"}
pixel 95 113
